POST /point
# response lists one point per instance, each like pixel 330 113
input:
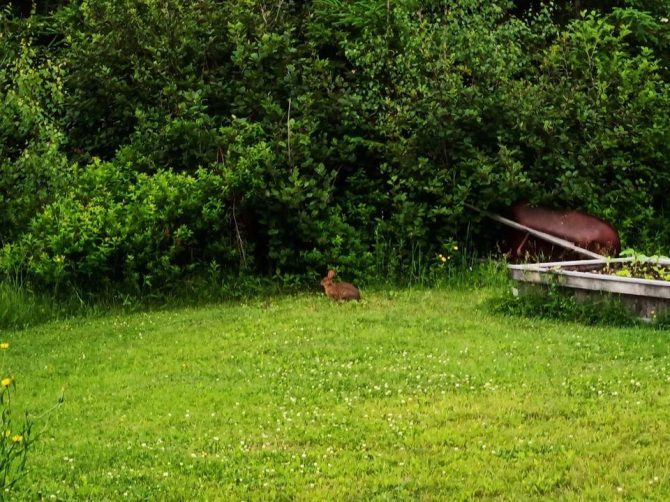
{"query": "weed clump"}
pixel 554 303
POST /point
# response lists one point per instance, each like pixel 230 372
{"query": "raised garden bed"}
pixel 643 285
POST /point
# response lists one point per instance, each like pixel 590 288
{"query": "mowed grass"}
pixel 408 395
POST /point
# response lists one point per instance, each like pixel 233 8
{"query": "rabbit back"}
pixel 342 291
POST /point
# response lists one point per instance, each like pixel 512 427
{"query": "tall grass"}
pixel 396 264
pixel 20 307
pixel 558 304
pixel 404 265
pixel 457 263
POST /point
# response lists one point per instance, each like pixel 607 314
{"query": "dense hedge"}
pixel 142 140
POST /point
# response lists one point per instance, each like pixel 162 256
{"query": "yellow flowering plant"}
pixel 16 436
pixel 450 251
pixel 15 439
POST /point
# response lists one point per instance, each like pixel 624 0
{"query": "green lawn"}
pixel 407 395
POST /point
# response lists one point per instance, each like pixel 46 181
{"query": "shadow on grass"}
pixel 21 307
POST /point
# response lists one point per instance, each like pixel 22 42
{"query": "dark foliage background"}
pixel 143 142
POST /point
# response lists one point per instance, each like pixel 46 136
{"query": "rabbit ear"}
pixel 331 274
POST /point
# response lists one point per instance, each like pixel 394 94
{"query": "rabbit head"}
pixel 328 280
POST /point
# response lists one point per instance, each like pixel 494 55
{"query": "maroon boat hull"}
pixel 584 230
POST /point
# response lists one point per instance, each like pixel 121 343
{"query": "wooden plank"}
pixel 537 233
pixel 581 280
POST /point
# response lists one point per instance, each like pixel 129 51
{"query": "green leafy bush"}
pixel 33 166
pixel 145 142
pixel 117 225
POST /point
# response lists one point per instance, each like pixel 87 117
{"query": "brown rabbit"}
pixel 339 290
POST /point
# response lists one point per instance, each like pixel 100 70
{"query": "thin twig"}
pixel 238 235
pixel 288 127
pixel 279 7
